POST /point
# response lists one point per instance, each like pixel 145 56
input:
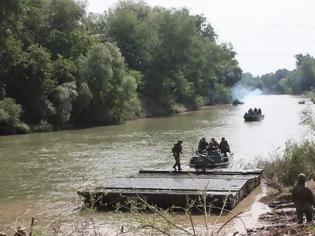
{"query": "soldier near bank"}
pixel 177 150
pixel 303 199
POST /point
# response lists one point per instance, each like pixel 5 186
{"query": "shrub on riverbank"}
pixel 10 113
pixel 297 158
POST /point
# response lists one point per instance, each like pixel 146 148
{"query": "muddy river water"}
pixel 40 173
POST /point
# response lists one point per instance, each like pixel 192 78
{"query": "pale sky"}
pixel 266 34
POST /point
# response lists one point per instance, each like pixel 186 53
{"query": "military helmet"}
pixel 301 178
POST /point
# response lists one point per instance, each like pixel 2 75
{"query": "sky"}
pixel 266 34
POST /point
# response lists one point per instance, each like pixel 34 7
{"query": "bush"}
pixel 22 128
pixel 43 126
pixel 297 158
pixel 219 94
pixel 10 113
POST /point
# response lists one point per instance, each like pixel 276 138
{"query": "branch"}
pixel 167 220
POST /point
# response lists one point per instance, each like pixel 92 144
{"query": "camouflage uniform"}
pixel 303 199
pixel 177 150
pixel 202 146
pixel 224 147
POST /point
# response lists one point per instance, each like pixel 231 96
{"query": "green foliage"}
pixel 218 94
pixel 298 81
pixel 10 113
pixel 43 126
pixel 31 82
pixel 81 103
pixel 67 68
pixel 63 97
pixel 175 51
pixel 271 83
pixel 64 70
pixel 297 158
pixel 113 92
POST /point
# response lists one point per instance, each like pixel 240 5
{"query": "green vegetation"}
pixel 65 68
pixel 297 157
pixel 298 81
pixel 10 113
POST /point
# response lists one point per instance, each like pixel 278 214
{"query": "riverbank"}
pixel 281 219
pixel 45 126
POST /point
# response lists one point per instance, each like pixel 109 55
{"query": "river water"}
pixel 40 173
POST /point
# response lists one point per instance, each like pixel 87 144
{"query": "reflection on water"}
pixel 50 167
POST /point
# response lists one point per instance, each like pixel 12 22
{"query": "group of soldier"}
pixel 254 111
pixel 213 145
pixel 301 195
pixel 203 147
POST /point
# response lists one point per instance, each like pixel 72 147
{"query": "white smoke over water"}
pixel 239 91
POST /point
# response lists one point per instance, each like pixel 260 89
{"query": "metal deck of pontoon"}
pixel 165 188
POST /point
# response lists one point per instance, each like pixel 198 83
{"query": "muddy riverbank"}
pixel 281 218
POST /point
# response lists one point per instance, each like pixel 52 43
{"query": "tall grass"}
pixel 296 158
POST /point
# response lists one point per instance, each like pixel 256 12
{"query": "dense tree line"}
pixel 283 81
pixel 61 67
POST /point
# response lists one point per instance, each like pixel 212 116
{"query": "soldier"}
pixel 224 147
pixel 303 199
pixel 177 150
pixel 202 146
pixel 213 145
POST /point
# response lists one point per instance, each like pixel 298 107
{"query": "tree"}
pixel 113 92
pixel 31 82
pixel 63 97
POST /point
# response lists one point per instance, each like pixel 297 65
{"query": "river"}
pixel 41 172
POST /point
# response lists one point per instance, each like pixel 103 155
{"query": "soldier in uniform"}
pixel 177 150
pixel 202 146
pixel 213 145
pixel 303 199
pixel 224 147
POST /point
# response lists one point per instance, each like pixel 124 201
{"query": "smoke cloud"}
pixel 239 91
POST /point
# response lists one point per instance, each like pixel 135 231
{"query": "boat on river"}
pixel 253 117
pixel 237 102
pixel 210 160
pixel 301 102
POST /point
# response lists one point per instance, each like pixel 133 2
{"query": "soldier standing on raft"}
pixel 177 150
pixel 303 199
